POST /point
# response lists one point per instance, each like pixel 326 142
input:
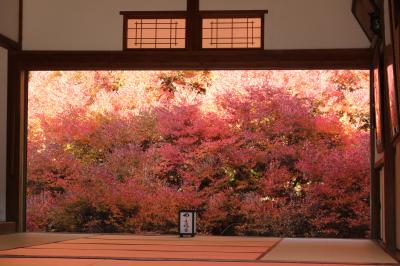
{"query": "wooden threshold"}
pixel 7 228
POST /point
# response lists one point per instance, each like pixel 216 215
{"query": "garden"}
pixel 256 153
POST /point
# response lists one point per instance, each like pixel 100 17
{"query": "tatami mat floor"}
pixel 329 250
pixel 91 262
pixel 129 250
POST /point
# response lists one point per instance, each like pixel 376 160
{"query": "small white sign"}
pixel 186 223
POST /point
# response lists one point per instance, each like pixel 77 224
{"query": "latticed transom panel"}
pixel 243 32
pixel 156 33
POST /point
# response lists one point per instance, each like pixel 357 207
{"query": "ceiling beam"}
pixel 363 10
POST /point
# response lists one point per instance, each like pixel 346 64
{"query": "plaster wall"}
pixel 303 24
pixel 97 24
pixel 82 25
pixel 9 18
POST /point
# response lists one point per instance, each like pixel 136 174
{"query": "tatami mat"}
pixel 47 262
pixel 12 241
pixel 89 262
pixel 157 248
pixel 130 250
pixel 329 251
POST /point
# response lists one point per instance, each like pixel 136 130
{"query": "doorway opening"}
pixel 256 153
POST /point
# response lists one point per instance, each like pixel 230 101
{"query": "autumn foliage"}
pixel 273 153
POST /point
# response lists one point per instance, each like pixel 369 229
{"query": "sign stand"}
pixel 187 223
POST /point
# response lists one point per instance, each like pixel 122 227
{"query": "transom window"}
pixel 231 32
pixel 202 30
pixel 154 30
pixel 156 33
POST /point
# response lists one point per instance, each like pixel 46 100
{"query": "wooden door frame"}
pixel 20 62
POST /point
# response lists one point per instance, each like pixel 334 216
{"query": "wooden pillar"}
pixel 16 144
pixel 193 25
pixel 389 150
pixel 375 169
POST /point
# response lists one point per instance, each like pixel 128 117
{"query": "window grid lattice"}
pixel 232 32
pixel 156 33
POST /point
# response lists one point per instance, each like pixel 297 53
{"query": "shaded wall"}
pixel 9 18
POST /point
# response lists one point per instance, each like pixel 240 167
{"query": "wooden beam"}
pixel 375 203
pixel 204 59
pixel 362 10
pixel 16 144
pixel 7 43
pixel 193 30
pixel 12 164
pixel 389 189
pixel 376 166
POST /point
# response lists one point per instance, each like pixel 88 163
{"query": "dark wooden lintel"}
pixel 204 59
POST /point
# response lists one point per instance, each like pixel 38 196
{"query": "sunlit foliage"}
pixel 274 153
